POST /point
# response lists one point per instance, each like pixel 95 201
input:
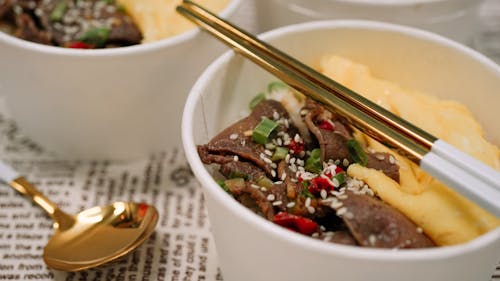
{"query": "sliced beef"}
pixel 27 30
pixel 237 140
pixel 338 237
pixel 384 162
pixel 254 199
pixel 5 7
pixel 331 139
pixel 374 223
pixel 238 169
pixel 78 17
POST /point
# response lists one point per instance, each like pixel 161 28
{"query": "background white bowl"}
pixel 119 103
pixel 456 19
pixel 251 248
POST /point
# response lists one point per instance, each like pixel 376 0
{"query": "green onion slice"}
pixel 97 36
pixel 313 162
pixel 340 177
pixel 256 100
pixel 280 153
pixel 357 153
pixel 276 86
pixel 59 10
pixel 263 131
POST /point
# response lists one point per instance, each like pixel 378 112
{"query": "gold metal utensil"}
pixel 92 237
pixel 465 174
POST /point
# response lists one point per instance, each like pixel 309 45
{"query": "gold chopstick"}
pixel 439 159
pixel 367 116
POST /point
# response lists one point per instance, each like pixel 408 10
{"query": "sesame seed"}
pixel 308 202
pixel 290 204
pixel 304 112
pixel 283 176
pixel 345 162
pixel 277 203
pixel 276 115
pixel 323 194
pixel 296 138
pixel 278 182
pixel 235 158
pixel 270 145
pixel 233 136
pixel 273 173
pixel 248 133
pixel 372 239
pixel 268 152
pixel 274 166
pixel 322 228
pixel 391 159
pixel 263 189
pixel 271 197
pixel 380 156
pixel 341 211
pixel 255 186
pixel 336 204
pixel 311 209
pixel 287 158
pixel 420 230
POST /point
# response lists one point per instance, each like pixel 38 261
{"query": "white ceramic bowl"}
pixel 120 103
pixel 456 19
pixel 252 248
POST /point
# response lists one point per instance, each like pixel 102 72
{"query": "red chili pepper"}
pixel 297 147
pixel 326 125
pixel 319 183
pixel 296 223
pixel 338 170
pixel 79 45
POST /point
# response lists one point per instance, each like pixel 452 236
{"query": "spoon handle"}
pixel 23 186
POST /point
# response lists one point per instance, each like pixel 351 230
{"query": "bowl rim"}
pixel 148 47
pixel 396 3
pixel 299 240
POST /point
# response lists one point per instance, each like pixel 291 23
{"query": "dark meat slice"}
pixel 254 199
pixel 27 30
pixel 373 223
pixel 245 170
pixel 5 7
pixel 79 17
pixel 234 140
pixel 384 162
pixel 338 237
pixel 332 141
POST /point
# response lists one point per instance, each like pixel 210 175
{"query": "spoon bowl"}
pixel 109 232
pixel 92 237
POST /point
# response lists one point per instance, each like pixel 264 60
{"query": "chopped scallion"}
pixel 263 130
pixel 223 185
pixel 97 36
pixel 313 162
pixel 256 100
pixel 275 86
pixel 357 153
pixel 265 182
pixel 59 10
pixel 340 177
pixel 280 153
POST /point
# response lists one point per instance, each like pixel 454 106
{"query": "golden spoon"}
pixel 92 237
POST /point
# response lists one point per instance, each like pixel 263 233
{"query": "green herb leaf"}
pixel 306 193
pixel 340 177
pixel 313 162
pixel 59 10
pixel 357 153
pixel 97 36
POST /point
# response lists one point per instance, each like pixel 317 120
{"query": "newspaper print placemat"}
pixel 182 247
